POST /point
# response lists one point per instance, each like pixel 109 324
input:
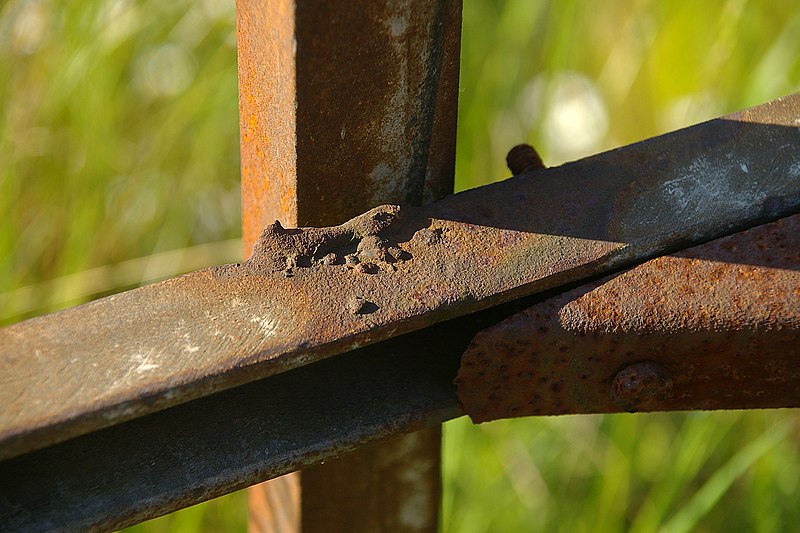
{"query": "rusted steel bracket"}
pixel 310 293
pixel 715 326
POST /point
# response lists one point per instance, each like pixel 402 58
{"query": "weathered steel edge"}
pixel 202 449
pixel 715 326
pixel 465 253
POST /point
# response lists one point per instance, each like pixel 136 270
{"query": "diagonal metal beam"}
pixel 310 293
pixel 184 455
pixel 202 449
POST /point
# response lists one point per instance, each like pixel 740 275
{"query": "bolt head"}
pixel 641 387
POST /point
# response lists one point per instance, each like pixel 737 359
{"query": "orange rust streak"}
pixel 268 129
pixel 265 31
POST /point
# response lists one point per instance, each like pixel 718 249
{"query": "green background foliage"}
pixel 119 166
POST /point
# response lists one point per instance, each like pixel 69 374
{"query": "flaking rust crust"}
pixel 716 326
pixel 310 293
pixel 367 239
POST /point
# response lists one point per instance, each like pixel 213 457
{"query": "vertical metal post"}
pixel 345 106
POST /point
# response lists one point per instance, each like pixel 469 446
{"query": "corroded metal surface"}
pixel 199 450
pixel 319 82
pixel 326 88
pixel 380 73
pixel 292 302
pixel 400 477
pixel 716 326
pixel 267 112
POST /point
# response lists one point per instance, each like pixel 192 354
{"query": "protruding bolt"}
pixel 641 387
pixel 523 158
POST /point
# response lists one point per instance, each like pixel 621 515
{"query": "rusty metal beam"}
pixel 400 476
pixel 325 89
pixel 310 293
pixel 715 326
pixel 202 449
pixel 344 107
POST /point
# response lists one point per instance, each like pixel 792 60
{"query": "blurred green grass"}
pixel 119 165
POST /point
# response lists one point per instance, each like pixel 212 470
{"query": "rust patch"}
pixel 716 326
pixel 267 124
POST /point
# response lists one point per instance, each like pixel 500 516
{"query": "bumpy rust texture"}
pixel 291 304
pixel 713 327
pixel 319 83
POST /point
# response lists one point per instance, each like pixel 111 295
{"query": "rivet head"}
pixel 641 387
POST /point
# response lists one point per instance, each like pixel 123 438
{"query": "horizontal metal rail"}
pixel 193 452
pixel 311 293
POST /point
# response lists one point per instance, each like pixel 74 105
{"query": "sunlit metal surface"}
pixel 310 293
